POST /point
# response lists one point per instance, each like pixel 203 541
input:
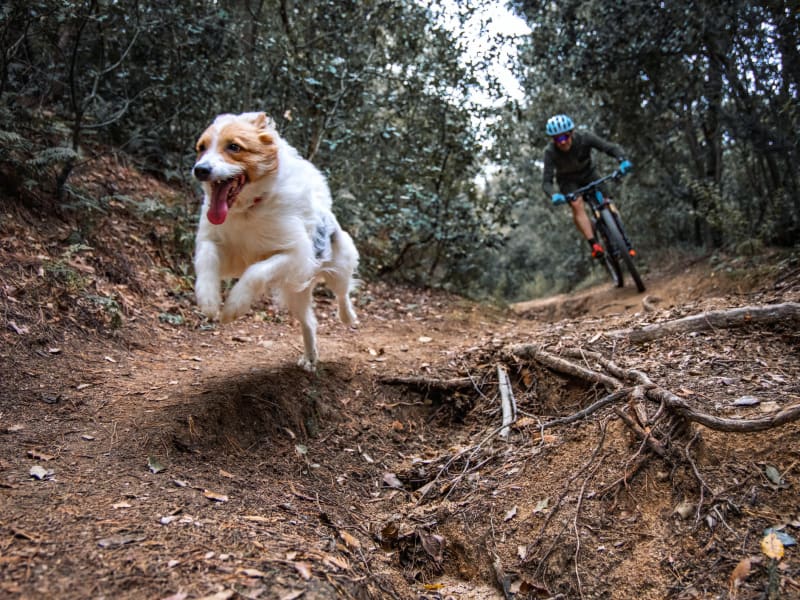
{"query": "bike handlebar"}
pixel 572 196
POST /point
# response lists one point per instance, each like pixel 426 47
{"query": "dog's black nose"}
pixel 202 173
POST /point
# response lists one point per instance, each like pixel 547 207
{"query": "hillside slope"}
pixel 148 453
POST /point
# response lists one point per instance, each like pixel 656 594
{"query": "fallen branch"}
pixel 722 319
pixel 507 402
pixel 427 384
pixel 535 352
pixel 592 408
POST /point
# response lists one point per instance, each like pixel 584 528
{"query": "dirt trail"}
pixel 177 459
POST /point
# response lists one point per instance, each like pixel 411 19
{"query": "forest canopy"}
pixel 436 187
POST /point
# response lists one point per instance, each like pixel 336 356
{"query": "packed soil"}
pixel 148 453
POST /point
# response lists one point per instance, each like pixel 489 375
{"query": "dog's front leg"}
pixel 206 287
pixel 256 278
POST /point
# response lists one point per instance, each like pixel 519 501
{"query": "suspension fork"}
pixel 603 203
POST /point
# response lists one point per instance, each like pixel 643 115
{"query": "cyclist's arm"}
pixel 605 146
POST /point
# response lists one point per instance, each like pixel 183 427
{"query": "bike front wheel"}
pixel 610 262
pixel 619 249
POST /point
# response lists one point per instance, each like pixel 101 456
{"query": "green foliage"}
pixel 436 188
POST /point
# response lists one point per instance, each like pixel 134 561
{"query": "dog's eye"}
pixel 234 147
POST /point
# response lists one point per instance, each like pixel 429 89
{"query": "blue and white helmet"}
pixel 559 124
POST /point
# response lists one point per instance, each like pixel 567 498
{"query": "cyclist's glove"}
pixel 624 167
pixel 558 199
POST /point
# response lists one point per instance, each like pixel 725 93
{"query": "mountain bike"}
pixel 607 226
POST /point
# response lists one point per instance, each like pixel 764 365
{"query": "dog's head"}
pixel 233 153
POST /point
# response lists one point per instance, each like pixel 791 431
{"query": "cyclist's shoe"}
pixel 632 252
pixel 597 250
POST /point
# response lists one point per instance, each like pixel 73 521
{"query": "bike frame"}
pixel 607 224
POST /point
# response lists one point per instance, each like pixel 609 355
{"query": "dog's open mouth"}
pixel 223 195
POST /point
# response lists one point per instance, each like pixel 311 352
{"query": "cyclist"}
pixel 569 157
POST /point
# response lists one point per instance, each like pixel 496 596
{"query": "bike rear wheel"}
pixel 619 248
pixel 610 261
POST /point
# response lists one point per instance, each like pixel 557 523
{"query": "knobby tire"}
pixel 619 248
pixel 610 261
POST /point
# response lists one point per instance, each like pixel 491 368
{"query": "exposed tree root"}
pixel 715 319
pixel 671 402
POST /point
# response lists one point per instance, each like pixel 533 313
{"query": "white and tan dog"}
pixel 267 220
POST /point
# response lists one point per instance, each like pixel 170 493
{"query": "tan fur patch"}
pixel 257 150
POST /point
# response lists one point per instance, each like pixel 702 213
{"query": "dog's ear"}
pixel 259 119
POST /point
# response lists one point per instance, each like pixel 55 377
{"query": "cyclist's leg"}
pixel 580 218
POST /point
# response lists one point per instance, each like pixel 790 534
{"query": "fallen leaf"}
pixel 769 407
pixel 522 552
pixel 304 569
pixel 541 506
pixel 215 496
pixel 424 339
pixel 391 480
pixel 684 509
pixel 121 505
pixel 119 540
pixel 338 562
pixel 773 474
pixel 224 473
pixel 350 541
pixel 511 514
pixel 784 537
pixel 740 573
pixel 772 546
pixel 23 330
pixel 35 454
pixel 40 472
pixel 154 465
pixel 746 401
pixel 223 595
pixel 252 572
pixel 433 544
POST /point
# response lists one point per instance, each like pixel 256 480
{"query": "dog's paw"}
pixel 236 305
pixel 230 313
pixel 208 298
pixel 307 365
pixel 347 315
pixel 209 309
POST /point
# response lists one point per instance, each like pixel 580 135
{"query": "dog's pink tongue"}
pixel 219 203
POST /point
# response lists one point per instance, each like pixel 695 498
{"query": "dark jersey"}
pixel 573 169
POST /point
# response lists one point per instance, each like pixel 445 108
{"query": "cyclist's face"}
pixel 563 141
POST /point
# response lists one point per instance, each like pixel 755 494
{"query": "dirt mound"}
pixel 148 453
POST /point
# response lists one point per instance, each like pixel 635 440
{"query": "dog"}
pixel 267 221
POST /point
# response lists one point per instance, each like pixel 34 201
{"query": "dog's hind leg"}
pixel 300 304
pixel 341 285
pixel 338 275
